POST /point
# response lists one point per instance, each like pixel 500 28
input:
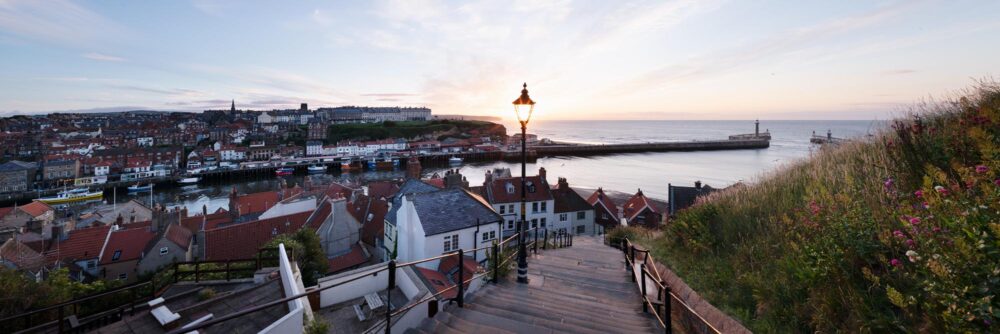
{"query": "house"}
pixel 314 148
pixel 639 210
pixel 681 197
pixel 173 245
pixel 33 216
pixel 16 255
pixel 433 223
pixel 573 213
pixel 371 212
pixel 62 169
pixel 120 257
pixel 606 211
pixel 242 241
pixel 504 194
pixel 17 176
pixel 81 247
pixel 339 232
pixel 103 168
pixel 390 233
pixel 128 212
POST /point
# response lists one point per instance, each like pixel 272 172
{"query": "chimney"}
pixel 697 184
pixel 563 184
pixel 541 173
pixel 413 168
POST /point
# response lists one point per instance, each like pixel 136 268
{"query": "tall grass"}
pixel 894 233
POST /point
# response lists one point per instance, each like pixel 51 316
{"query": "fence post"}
pixel 545 245
pixel 175 271
pixel 667 301
pixel 227 270
pixel 197 273
pixel 642 276
pixel 461 278
pixel 496 262
pixel 132 303
pixel 61 320
pixel 388 290
pixel 535 244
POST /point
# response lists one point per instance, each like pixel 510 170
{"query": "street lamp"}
pixel 523 106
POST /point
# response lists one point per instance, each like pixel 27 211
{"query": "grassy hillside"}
pixel 897 233
pixel 412 129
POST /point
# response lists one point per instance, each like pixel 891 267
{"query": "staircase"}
pixel 579 289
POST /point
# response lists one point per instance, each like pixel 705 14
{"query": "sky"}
pixel 703 59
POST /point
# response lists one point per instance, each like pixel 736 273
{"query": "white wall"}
pixel 291 322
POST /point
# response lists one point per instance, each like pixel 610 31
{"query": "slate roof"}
pixel 411 186
pixel 16 166
pixel 681 197
pixel 451 209
pixel 131 243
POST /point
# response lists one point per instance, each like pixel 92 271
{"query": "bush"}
pixel 317 326
pixel 206 294
pixel 894 233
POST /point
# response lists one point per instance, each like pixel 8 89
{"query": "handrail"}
pixel 665 294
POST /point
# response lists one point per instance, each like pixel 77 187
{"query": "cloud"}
pixel 389 94
pixel 102 57
pixel 173 91
pixel 57 21
pixel 898 72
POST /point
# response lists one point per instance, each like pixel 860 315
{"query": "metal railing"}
pixel 662 306
pixel 391 267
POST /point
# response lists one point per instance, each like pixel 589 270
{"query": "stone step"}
pixel 557 320
pixel 583 284
pixel 561 295
pixel 555 325
pixel 560 262
pixel 499 322
pixel 603 264
pixel 579 271
pixel 567 313
pixel 626 312
pixel 466 326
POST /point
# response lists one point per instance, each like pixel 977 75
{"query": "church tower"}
pixel 232 108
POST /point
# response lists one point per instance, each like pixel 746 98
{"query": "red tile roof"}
pixel 129 243
pixel 81 244
pixel 448 264
pixel 256 202
pixel 36 208
pixel 21 255
pixel 496 191
pixel 179 235
pixel 5 211
pixel 354 258
pixel 241 241
pixel 212 220
pixel 319 215
pixel 437 182
pixel 598 198
pixel 636 204
pixel 364 207
pixel 439 282
pixel 382 189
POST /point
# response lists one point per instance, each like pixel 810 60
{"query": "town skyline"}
pixel 837 61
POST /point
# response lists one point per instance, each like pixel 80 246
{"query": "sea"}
pixel 650 172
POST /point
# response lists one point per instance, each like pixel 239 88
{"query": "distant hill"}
pixel 413 129
pixel 897 233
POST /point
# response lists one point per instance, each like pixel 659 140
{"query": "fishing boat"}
pixel 284 171
pixel 372 164
pixel 455 160
pixel 317 168
pixel 137 188
pixel 73 195
pixel 189 180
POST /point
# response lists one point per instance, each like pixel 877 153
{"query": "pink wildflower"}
pixel 997 182
pixel 919 193
pixel 982 169
pixel 898 234
pixel 927 205
pixel 888 184
pixel 915 221
pixel 941 190
pixel 896 263
pixel 910 243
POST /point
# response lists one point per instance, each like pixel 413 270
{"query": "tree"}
pixel 308 252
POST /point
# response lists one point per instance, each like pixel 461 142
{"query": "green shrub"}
pixel 317 326
pixel 206 294
pixel 894 233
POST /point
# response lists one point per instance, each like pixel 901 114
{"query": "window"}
pixel 563 217
pixel 123 276
pixel 502 207
pixel 604 215
pixel 543 222
pixel 493 234
pixel 117 255
pixel 534 223
pixel 510 224
pixel 489 235
pixel 545 206
pixel 164 250
pixel 510 208
pixel 581 229
pixel 451 243
pixel 91 264
pixel 581 215
pixel 534 207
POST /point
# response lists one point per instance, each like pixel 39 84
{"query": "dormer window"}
pixel 117 255
pixel 531 186
pixel 510 188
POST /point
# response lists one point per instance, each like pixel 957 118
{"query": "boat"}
pixel 455 160
pixel 136 188
pixel 189 180
pixel 73 195
pixel 284 171
pixel 385 164
pixel 317 168
pixel 372 164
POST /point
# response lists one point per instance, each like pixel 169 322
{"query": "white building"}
pixel 504 195
pixel 424 222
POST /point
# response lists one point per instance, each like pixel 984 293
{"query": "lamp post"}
pixel 523 106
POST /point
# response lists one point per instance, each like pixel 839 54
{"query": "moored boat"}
pixel 189 180
pixel 284 171
pixel 317 168
pixel 455 160
pixel 73 195
pixel 137 188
